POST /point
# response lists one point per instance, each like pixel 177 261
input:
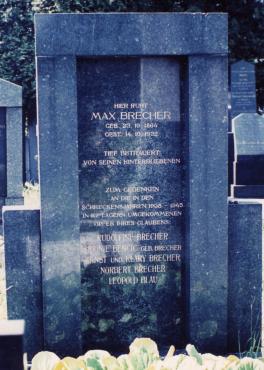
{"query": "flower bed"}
pixel 144 355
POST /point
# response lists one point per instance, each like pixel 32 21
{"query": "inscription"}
pixel 130 206
pixel 243 87
pixel 132 197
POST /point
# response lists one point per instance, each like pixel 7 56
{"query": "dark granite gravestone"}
pixel 23 272
pixel 243 88
pixel 126 121
pixel 11 345
pixel 248 131
pixel 244 275
pixel 11 178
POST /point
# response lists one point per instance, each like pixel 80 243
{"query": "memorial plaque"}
pixel 132 200
pixel 2 152
pixel 243 88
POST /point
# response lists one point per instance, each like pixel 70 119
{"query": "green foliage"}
pixel 246 29
pixel 17 48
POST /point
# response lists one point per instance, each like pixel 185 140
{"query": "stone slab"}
pixel 245 275
pixel 60 225
pixel 132 201
pixel 21 228
pixel 207 252
pixel 134 34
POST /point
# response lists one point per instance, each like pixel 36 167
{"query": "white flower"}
pixel 44 361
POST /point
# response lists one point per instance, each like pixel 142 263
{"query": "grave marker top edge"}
pixel 106 34
pixel 10 94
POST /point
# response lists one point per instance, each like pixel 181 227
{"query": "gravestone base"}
pixel 248 191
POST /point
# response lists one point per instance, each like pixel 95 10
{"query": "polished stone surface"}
pixel 245 275
pixel 132 201
pixel 106 34
pixel 23 272
pixel 243 88
pixel 60 225
pixel 207 237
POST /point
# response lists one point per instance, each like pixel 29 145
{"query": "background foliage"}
pixel 246 30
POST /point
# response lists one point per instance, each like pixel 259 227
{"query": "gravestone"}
pixel 248 131
pixel 11 180
pixel 11 344
pixel 244 275
pixel 243 88
pixel 23 272
pixel 133 239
